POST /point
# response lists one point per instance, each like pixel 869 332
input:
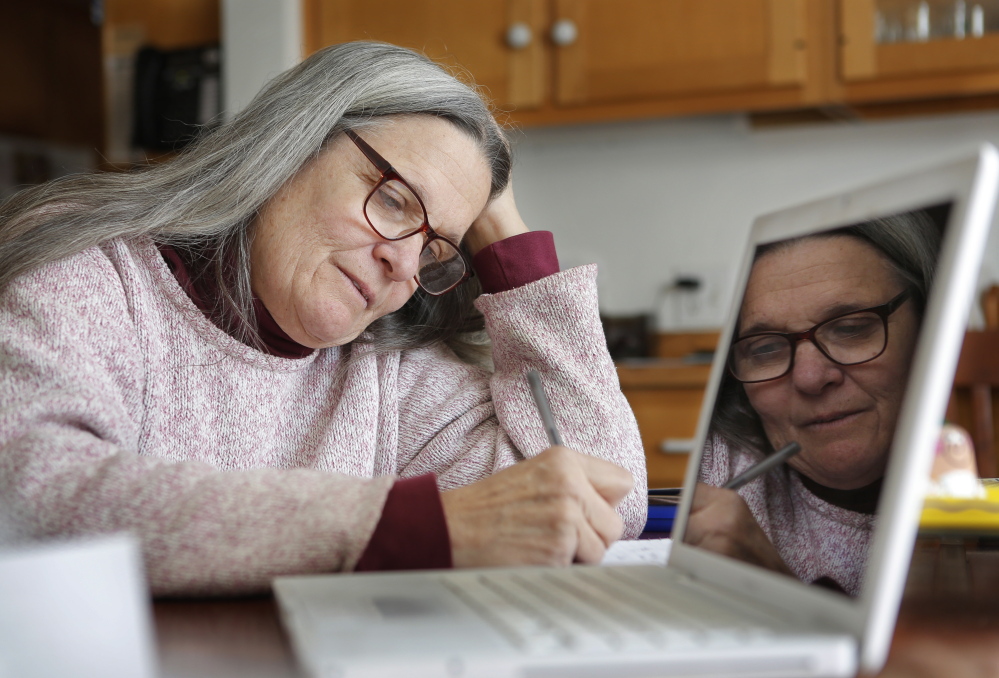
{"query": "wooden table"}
pixel 948 625
pixel 222 638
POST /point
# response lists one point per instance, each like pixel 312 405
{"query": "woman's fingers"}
pixel 720 521
pixel 592 543
pixel 596 487
pixel 545 510
pixel 611 482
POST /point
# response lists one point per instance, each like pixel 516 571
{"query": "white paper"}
pixel 638 552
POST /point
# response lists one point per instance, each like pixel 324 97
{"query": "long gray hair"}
pixel 909 242
pixel 204 200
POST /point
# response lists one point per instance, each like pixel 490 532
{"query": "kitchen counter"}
pixel 665 395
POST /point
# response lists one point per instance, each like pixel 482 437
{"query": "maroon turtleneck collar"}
pixel 202 293
pixel 861 500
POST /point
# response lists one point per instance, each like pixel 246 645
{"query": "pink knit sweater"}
pixel 123 408
pixel 815 538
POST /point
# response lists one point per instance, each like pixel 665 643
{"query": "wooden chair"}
pixel 971 403
pixel 990 307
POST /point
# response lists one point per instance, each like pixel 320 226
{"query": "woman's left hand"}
pixel 500 219
pixel 720 521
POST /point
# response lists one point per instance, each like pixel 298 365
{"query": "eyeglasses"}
pixel 849 339
pixel 395 212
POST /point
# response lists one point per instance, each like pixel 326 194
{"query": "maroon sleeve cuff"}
pixel 516 261
pixel 412 532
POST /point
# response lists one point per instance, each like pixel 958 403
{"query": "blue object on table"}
pixel 660 519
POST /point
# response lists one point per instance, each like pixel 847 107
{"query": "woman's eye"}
pixel 762 350
pixel 394 203
pixel 852 328
pixel 390 200
pixel 439 250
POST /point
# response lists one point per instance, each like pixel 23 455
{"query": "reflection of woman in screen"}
pixel 821 354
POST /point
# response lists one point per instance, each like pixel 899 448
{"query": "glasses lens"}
pixel 394 211
pixel 854 338
pixel 441 267
pixel 760 357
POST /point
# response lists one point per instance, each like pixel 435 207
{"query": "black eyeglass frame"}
pixel 389 173
pixel 794 338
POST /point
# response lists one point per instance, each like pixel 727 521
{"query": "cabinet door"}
pixel 470 35
pixel 666 400
pixel 645 49
pixel 913 66
pixel 666 415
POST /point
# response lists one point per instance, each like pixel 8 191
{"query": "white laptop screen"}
pixel 819 355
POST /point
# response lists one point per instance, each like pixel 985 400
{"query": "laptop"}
pixel 702 613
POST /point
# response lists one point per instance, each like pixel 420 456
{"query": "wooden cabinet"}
pixel 50 74
pixel 666 399
pixel 961 63
pixel 550 61
pixel 562 61
pixel 168 24
pixel 655 49
pixel 66 67
pixel 542 61
pixel 458 33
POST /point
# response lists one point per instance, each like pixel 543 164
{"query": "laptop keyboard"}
pixel 593 609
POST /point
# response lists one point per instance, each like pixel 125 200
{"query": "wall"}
pixel 648 201
pixel 262 38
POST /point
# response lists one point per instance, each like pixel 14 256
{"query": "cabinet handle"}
pixel 677 446
pixel 518 36
pixel 564 32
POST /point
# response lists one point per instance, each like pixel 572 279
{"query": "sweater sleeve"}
pixel 516 261
pixel 464 424
pixel 73 396
pixel 412 531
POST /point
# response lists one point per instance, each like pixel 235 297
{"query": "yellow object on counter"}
pixel 970 516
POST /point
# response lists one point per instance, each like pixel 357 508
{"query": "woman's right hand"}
pixel 720 521
pixel 552 509
pixel 499 220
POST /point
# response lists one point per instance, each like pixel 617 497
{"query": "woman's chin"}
pixel 331 338
pixel 326 332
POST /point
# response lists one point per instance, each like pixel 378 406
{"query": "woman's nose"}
pixel 400 258
pixel 813 371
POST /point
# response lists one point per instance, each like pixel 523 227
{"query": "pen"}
pixel 773 461
pixel 541 401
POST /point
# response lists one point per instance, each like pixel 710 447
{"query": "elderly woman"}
pixel 822 350
pixel 259 356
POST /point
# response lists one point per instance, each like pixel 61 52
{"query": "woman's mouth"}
pixel 362 289
pixel 831 419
